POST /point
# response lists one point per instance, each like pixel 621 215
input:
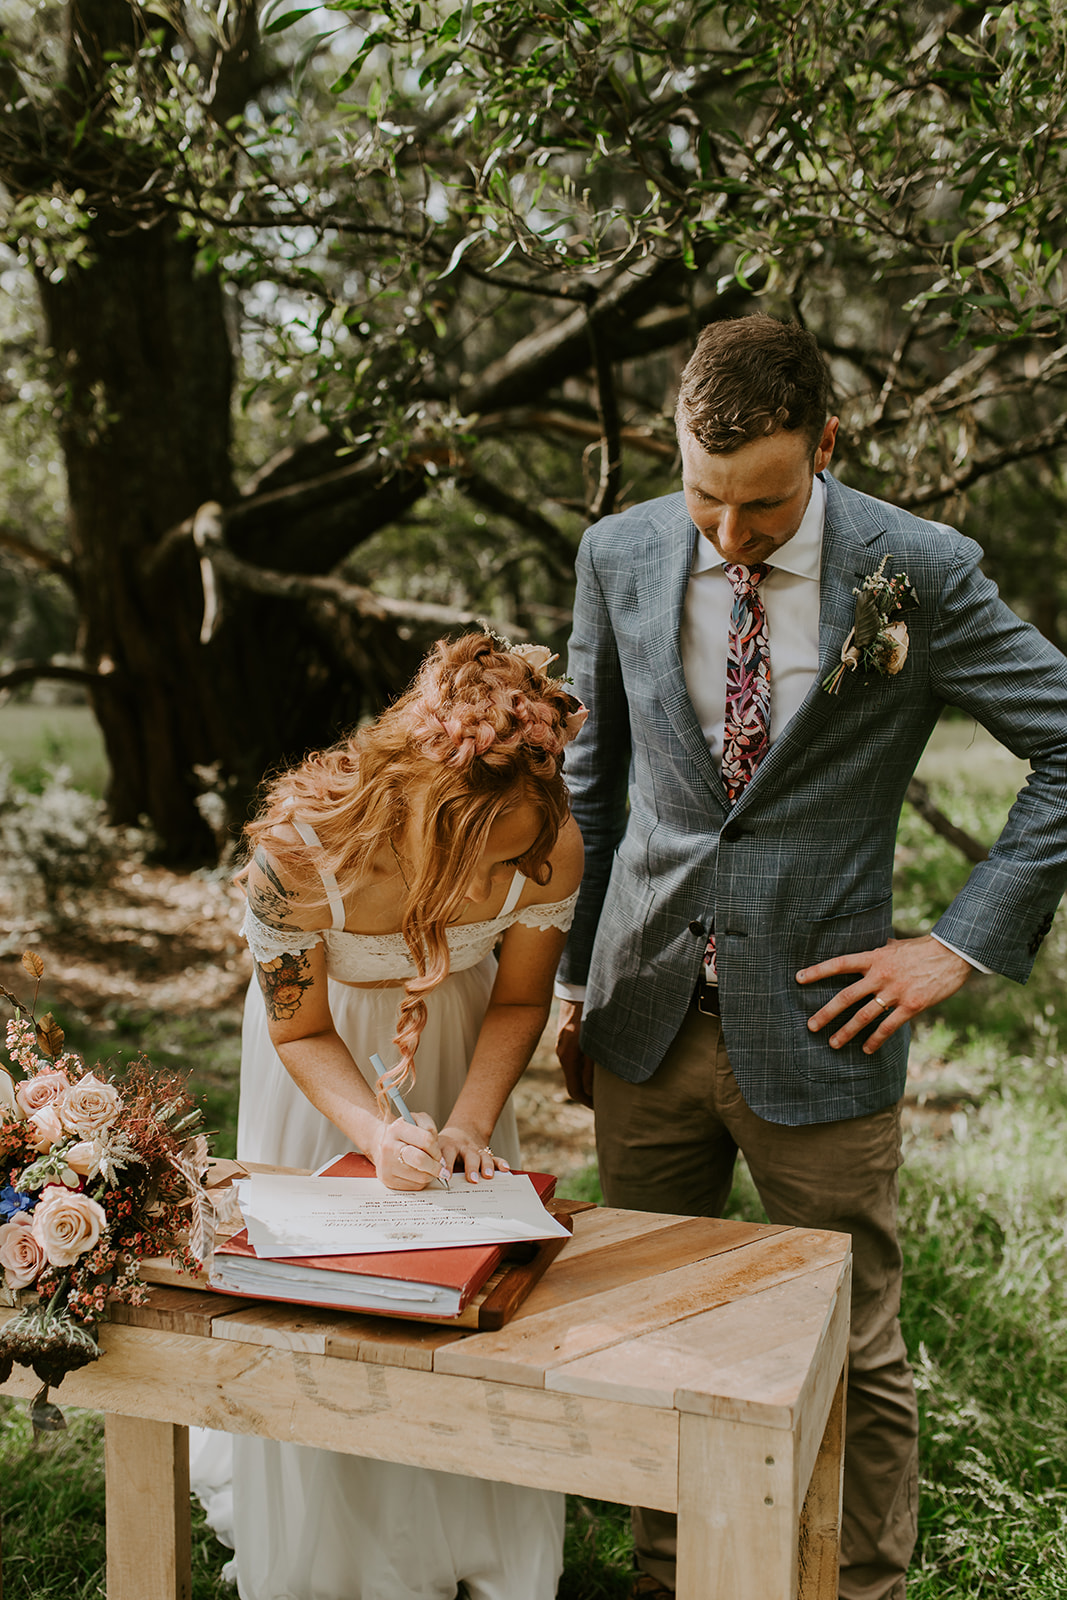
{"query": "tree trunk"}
pixel 144 368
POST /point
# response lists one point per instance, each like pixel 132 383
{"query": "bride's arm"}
pixel 302 1031
pixel 514 1021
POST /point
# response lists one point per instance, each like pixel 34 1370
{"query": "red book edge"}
pixel 462 1267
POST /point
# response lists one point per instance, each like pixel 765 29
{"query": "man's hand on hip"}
pixel 896 982
pixel 577 1067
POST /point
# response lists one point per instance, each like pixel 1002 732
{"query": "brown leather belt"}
pixel 706 998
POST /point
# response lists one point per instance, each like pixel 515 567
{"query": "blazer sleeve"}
pixel 998 668
pixel 598 762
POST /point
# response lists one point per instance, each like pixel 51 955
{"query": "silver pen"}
pixel 401 1108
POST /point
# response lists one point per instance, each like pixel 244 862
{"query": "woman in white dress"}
pixel 384 873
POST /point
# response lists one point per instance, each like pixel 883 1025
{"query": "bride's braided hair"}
pixel 481 730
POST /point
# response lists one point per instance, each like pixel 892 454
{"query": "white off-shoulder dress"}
pixel 311 1524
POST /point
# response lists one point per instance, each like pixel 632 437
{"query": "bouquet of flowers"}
pixel 94 1178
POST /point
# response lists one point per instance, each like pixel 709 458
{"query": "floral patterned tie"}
pixel 746 734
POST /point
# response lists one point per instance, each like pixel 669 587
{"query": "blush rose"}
pixel 34 1093
pixel 21 1256
pixel 45 1128
pixel 84 1158
pixel 89 1106
pixel 67 1224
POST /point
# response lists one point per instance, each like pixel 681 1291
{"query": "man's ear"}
pixel 825 448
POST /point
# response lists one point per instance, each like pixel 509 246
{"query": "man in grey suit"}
pixel 790 1041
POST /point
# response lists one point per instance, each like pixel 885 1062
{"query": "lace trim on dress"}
pixel 267 943
pixel 560 914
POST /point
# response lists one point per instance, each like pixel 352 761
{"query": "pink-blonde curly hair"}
pixel 479 732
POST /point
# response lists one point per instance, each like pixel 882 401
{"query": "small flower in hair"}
pixel 536 656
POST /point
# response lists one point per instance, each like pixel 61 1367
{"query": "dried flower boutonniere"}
pixel 874 642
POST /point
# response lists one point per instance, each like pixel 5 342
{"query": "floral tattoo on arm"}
pixel 284 982
pixel 270 900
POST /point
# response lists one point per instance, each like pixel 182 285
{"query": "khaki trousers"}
pixel 670 1144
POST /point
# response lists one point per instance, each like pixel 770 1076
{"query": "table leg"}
pixel 820 1520
pixel 148 1541
pixel 738 1516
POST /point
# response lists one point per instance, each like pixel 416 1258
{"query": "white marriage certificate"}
pixel 291 1216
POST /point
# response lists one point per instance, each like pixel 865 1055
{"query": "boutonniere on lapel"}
pixel 874 642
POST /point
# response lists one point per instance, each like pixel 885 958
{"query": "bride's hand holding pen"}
pixel 409 1155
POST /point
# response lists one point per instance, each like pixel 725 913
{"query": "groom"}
pixel 731 967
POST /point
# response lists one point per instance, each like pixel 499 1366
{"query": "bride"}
pixel 384 872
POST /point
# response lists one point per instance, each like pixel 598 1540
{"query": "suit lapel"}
pixel 663 577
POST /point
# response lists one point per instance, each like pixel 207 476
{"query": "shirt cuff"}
pixel 569 991
pixel 963 954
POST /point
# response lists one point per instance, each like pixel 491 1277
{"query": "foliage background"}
pixel 337 323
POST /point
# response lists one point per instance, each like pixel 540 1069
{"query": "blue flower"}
pixel 11 1201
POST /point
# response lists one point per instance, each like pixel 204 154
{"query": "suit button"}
pixel 696 927
pixel 731 833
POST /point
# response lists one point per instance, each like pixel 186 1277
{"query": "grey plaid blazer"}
pixel 801 868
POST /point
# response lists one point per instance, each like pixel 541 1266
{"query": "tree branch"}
pixel 553 542
pixel 1035 444
pixel 531 419
pixel 607 399
pixel 41 671
pixel 919 796
pixel 36 557
pixel 561 348
pixel 208 530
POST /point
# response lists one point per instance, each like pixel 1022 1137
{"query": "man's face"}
pixel 753 501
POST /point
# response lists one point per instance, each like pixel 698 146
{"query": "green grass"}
pixel 34 737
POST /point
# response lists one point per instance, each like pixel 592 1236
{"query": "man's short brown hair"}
pixel 750 377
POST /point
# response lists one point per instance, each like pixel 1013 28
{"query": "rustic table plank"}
pixel 738 1516
pixel 174 1310
pixel 642 1254
pixel 391 1413
pixel 146 1469
pixel 751 1356
pixel 532 1346
pixel 284 1327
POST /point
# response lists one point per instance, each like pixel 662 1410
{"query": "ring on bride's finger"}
pixel 403 1156
pixel 883 1003
pixel 486 1150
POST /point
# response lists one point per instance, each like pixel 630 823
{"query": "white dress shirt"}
pixel 790 594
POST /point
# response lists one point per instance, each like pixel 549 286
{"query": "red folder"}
pixel 413 1283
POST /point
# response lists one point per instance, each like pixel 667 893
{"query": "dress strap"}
pixel 518 883
pixel 329 882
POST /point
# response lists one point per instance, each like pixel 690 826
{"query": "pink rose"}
pixel 44 1128
pixel 21 1257
pixel 8 1101
pixel 34 1093
pixel 67 1224
pixel 84 1158
pixel 89 1106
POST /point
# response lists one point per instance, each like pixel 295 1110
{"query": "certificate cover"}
pixel 414 1283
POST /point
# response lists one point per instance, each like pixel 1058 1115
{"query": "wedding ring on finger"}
pixel 885 1005
pixel 403 1156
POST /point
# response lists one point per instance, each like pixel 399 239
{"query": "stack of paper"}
pixel 342 1239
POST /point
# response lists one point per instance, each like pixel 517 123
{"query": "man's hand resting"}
pixel 577 1068
pixel 906 976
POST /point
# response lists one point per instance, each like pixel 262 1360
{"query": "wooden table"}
pixel 681 1363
